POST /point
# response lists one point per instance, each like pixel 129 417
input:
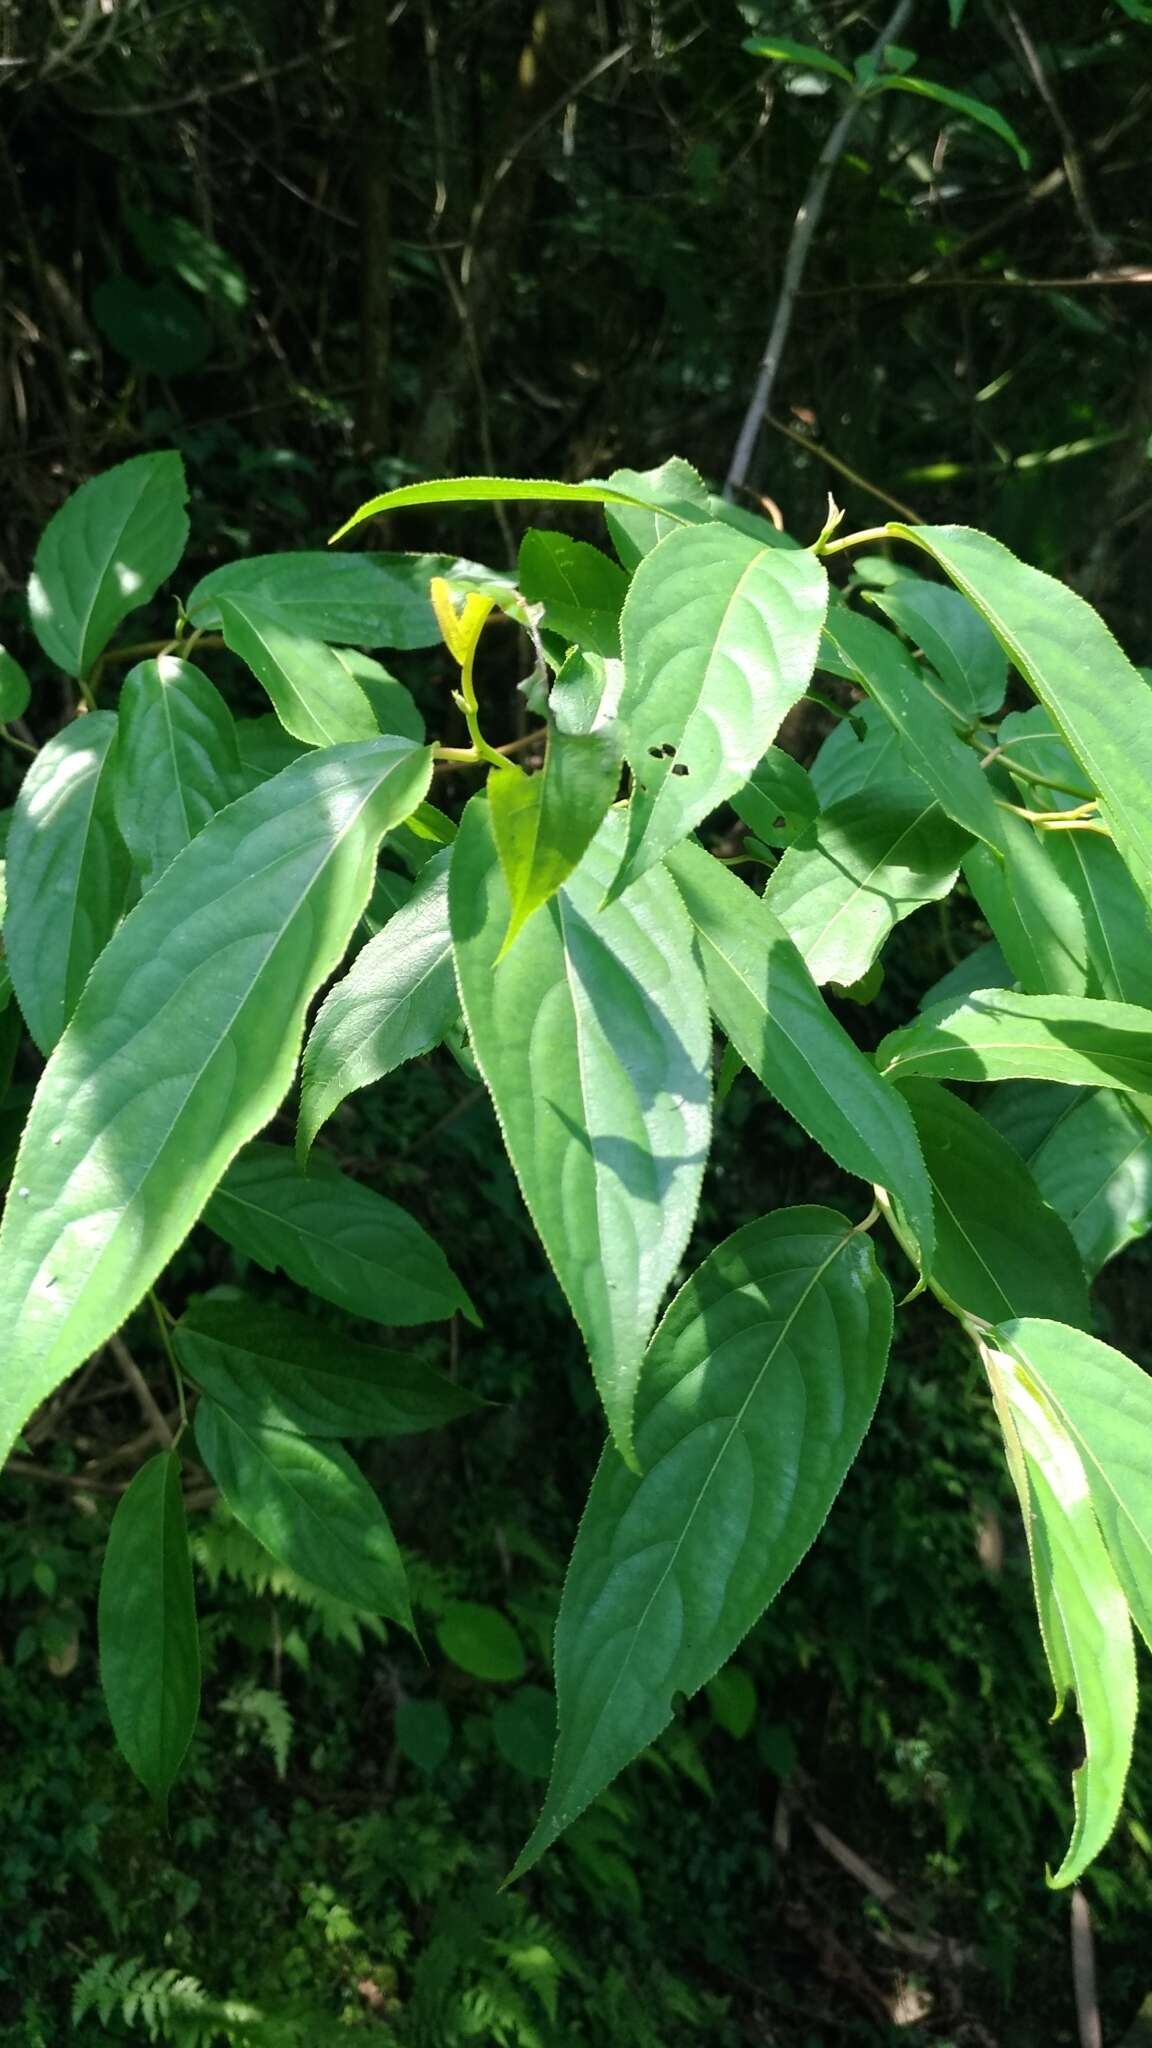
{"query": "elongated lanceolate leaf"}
pixel 106 551
pixel 168 1065
pixel 959 103
pixel 311 1508
pixel 178 761
pixel 393 707
pixel 339 1239
pixel 767 1004
pixel 755 1395
pixel 1081 1603
pixel 1117 920
pixel 1094 1164
pixel 362 600
pixel 1035 917
pixel 997 1035
pixel 808 55
pixel 1103 1402
pixel 488 490
pixel 719 636
pixel 291 1372
pixel 581 589
pixel 316 697
pixel 1098 701
pixel 1000 1249
pixel 545 823
pixel 926 730
pixel 149 1647
pixel 396 1001
pixel 970 665
pixel 865 864
pixel 594 1039
pixel 67 873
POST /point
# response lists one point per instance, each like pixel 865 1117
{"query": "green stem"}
pixel 163 1322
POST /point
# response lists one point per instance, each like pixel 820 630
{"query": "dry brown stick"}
pixel 853 475
pixel 1073 166
pixel 149 1406
pixel 1091 2033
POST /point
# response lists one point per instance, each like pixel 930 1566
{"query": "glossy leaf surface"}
pixel 488 490
pixel 105 552
pixel 998 1035
pixel 316 697
pixel 288 1371
pixel 670 495
pixel 396 1001
pixel 149 1093
pixel 593 1036
pixel 149 1647
pixel 178 761
pixel 66 872
pixel 719 637
pixel 767 1004
pixel 581 589
pixel 311 1508
pixel 361 600
pixel 756 1392
pixel 334 1236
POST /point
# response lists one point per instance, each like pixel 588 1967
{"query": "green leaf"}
pixel 732 1698
pixel 545 823
pixel 998 1035
pixel 67 873
pixel 105 552
pixel 1079 1585
pixel 150 1092
pixel 265 748
pixel 482 1641
pixel 524 1730
pixel 169 241
pixel 370 600
pixel 15 689
pixel 963 650
pixel 1093 1162
pixel 719 636
pixel 959 103
pixel 756 1392
pixel 500 490
pixel 310 1507
pixel 156 327
pixel 783 51
pixel 1099 703
pixel 865 864
pixel 778 800
pixel 335 1237
pixel 765 1001
pixel 1117 919
pixel 581 589
pixel 149 1647
pixel 423 1733
pixel 1032 747
pixel 316 697
pixel 291 1372
pixel 924 726
pixel 393 707
pixel 671 495
pixel 859 752
pixel 593 1037
pixel 986 967
pixel 1000 1250
pixel 397 1000
pixel 1034 915
pixel 177 763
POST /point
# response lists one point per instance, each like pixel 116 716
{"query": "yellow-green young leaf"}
pixel 67 873
pixel 778 800
pixel 1103 1402
pixel 998 1035
pixel 310 1507
pixel 316 697
pixel 15 689
pixel 291 1372
pixel 1080 1599
pixel 499 490
pixel 671 495
pixel 397 1000
pixel 767 1004
pixel 866 863
pixel 719 636
pixel 970 665
pixel 178 761
pixel 756 1392
pixel 368 600
pixel 959 103
pixel 1035 917
pixel 106 551
pixel 925 729
pixel 334 1236
pixel 1097 700
pixel 1000 1249
pixel 545 823
pixel 149 1647
pixel 482 1641
pixel 581 589
pixel 182 1045
pixel 594 1039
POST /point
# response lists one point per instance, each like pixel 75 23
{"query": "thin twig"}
pixel 149 1406
pixel 803 229
pixel 73 1482
pixel 1084 1974
pixel 845 469
pixel 1073 166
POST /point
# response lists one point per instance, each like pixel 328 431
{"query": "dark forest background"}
pixel 324 249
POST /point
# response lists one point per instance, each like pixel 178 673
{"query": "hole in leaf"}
pixel 679 768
